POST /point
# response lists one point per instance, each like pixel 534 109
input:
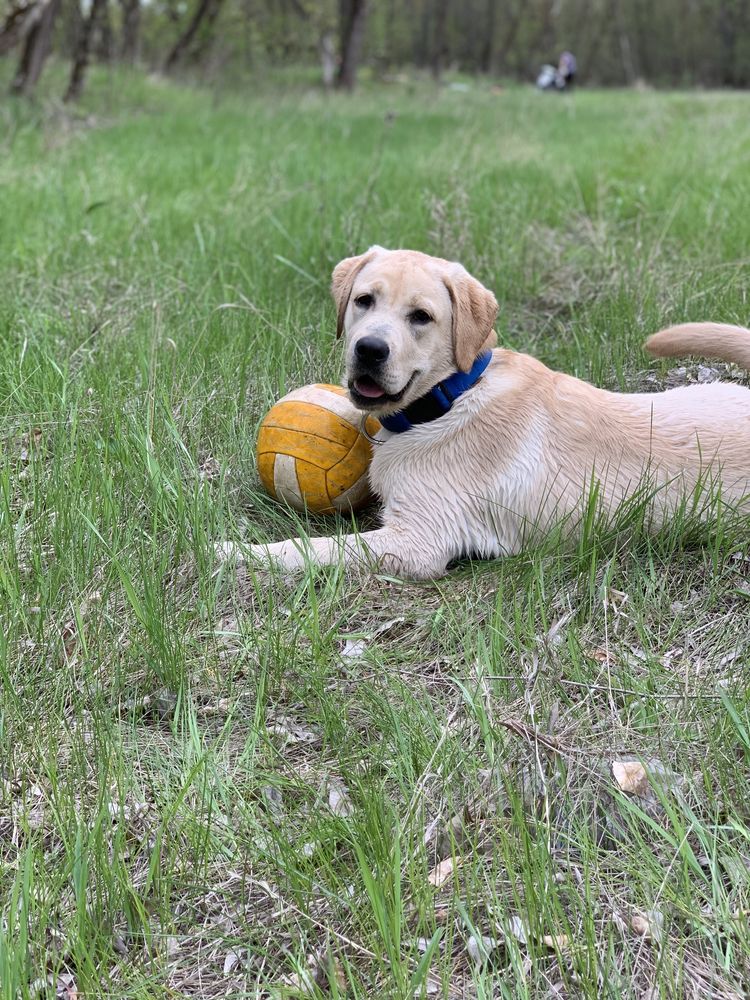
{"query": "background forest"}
pixel 617 42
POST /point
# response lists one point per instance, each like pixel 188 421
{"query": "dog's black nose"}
pixel 371 350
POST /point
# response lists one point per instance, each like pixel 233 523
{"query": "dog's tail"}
pixel 710 340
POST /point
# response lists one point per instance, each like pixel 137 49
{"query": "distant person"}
pixel 560 77
pixel 566 71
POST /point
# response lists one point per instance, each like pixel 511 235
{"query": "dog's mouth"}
pixel 367 393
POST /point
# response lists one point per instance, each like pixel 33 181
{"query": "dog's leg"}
pixel 391 550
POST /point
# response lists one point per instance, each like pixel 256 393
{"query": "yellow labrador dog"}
pixel 482 448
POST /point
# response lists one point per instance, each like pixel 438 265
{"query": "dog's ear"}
pixel 474 315
pixel 343 278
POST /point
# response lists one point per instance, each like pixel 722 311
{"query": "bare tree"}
pixel 82 55
pixel 131 30
pixel 19 20
pixel 488 45
pixel 733 27
pixel 439 48
pixel 104 47
pixel 327 50
pixel 37 46
pixel 352 17
pixel 623 39
pixel 205 13
pixel 500 57
pixel 206 34
pixel 420 34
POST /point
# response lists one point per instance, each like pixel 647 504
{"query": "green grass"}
pixel 170 739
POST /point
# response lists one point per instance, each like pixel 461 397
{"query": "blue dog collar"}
pixel 438 400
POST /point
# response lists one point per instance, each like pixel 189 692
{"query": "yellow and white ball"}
pixel 312 453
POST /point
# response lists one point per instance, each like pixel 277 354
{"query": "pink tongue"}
pixel 368 387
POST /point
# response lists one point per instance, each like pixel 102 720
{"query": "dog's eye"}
pixel 420 317
pixel 364 301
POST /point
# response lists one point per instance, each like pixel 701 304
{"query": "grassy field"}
pixel 210 786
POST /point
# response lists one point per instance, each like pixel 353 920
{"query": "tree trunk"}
pixel 488 45
pixel 131 31
pixel 623 39
pixel 438 53
pixel 327 49
pixel 728 39
pixel 510 37
pixel 352 15
pixel 205 11
pixel 69 31
pixel 36 48
pixel 542 41
pixel 420 54
pixel 206 34
pixel 19 20
pixel 390 33
pixel 104 46
pixel 82 55
pixel 598 19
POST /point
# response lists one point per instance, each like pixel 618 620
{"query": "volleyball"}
pixel 312 453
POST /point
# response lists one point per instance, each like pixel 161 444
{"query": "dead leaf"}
pixel 631 776
pixel 221 707
pixel 517 928
pixel 354 649
pixel 171 946
pixel 274 801
pixel 35 815
pixel 40 985
pixel 614 599
pixel 65 988
pixel 443 871
pixel 209 469
pixel 453 835
pixel 387 626
pixel 480 949
pixel 119 945
pixel 430 831
pixel 69 635
pixel 430 989
pixel 30 442
pixel 648 924
pixel 231 962
pixel 555 636
pixel 292 730
pixel 322 967
pixel 338 799
pixel 557 942
pixel 601 656
pixel 300 983
pixel 333 969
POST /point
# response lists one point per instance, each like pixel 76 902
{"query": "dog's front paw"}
pixel 285 556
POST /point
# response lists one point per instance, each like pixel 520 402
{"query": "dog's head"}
pixel 410 321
